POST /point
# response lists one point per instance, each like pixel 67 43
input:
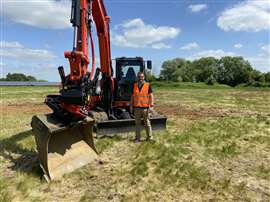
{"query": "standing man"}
pixel 141 100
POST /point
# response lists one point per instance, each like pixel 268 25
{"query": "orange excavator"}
pixel 88 102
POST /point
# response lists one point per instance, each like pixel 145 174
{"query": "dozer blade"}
pixel 114 127
pixel 62 148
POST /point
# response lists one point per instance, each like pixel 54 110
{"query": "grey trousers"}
pixel 142 113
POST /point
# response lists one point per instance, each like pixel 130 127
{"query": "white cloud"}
pixel 133 23
pixel 238 45
pixel 262 60
pixel 190 46
pixel 195 8
pixel 249 15
pixel 2 64
pixel 266 49
pixel 10 44
pixel 40 63
pixel 160 46
pixel 136 34
pixel 46 71
pixel 261 63
pixel 219 53
pixel 50 14
pixel 16 50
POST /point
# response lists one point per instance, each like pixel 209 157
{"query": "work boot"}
pixel 137 140
pixel 150 139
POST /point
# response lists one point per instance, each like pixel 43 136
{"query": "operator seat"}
pixel 126 84
pixel 130 76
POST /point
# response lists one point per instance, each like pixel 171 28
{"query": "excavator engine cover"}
pixel 62 148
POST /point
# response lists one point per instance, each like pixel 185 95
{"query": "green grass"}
pixel 5 195
pixel 263 171
pixel 201 85
pixel 26 94
pixel 238 100
pixel 187 85
pixel 207 158
pixel 102 144
pixel 218 139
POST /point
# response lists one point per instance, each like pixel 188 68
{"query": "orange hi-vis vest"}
pixel 141 98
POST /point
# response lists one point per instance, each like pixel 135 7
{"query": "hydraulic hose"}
pixel 93 53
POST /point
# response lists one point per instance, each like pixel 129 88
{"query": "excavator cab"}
pixel 126 75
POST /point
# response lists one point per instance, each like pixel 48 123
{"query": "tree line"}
pixel 19 77
pixel 228 70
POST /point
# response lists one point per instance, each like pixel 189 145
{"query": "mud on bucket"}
pixel 62 148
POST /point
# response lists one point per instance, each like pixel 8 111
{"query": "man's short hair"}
pixel 140 73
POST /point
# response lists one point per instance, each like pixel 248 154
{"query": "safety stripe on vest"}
pixel 142 102
pixel 141 96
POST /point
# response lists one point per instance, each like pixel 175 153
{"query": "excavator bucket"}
pixel 62 148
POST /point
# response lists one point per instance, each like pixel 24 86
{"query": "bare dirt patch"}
pixel 181 111
pixel 25 108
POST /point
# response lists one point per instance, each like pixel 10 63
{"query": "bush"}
pixel 257 84
pixel 231 71
pixel 210 81
pixel 18 77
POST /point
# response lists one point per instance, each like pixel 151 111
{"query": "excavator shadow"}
pixel 22 159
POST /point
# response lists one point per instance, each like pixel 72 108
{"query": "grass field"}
pixel 216 148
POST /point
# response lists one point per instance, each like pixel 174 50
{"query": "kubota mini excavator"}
pixel 87 101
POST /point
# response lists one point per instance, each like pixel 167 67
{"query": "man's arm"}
pixel 131 104
pixel 151 99
pixel 151 96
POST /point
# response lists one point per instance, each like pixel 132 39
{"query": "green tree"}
pixel 19 77
pixel 31 78
pixel 186 73
pixel 204 68
pixel 210 80
pixel 233 70
pixel 150 77
pixel 170 69
pixel 257 76
pixel 267 77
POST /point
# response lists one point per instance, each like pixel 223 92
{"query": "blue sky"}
pixel 35 33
